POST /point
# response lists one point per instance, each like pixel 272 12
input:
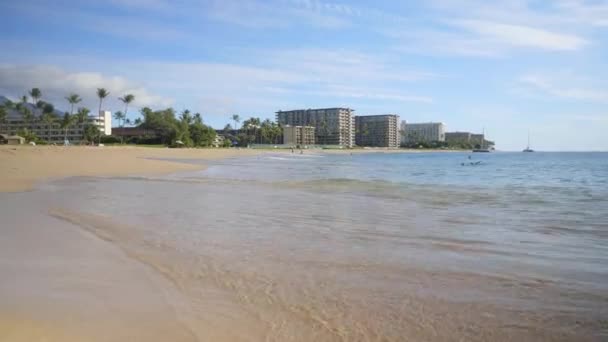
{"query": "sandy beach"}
pixel 21 167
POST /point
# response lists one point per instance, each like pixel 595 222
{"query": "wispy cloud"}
pixel 561 87
pixel 522 36
pixel 491 29
pixel 278 14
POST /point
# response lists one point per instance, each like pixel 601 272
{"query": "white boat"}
pixel 528 149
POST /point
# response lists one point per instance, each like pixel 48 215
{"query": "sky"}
pixel 507 67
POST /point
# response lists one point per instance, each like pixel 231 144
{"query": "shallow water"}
pixel 365 247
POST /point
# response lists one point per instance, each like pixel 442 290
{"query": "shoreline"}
pixel 22 167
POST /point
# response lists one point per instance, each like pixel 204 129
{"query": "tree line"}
pixel 253 131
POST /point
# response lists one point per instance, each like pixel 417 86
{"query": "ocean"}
pixel 362 247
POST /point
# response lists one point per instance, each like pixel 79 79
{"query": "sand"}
pixel 21 167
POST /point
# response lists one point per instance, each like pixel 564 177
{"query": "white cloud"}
pixel 490 29
pixel 523 36
pixel 562 87
pixel 56 83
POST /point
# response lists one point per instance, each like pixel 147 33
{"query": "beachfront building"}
pixel 51 132
pixel 377 130
pixel 298 135
pixel 458 137
pixel 422 132
pixel 332 126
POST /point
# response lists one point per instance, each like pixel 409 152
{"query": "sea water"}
pixel 365 247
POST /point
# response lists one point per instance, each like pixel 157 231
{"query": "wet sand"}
pixel 62 284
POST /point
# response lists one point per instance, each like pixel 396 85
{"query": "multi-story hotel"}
pixel 458 137
pixel 333 126
pixel 53 133
pixel 298 135
pixel 377 130
pixel 422 132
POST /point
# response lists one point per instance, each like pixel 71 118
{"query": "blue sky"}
pixel 508 67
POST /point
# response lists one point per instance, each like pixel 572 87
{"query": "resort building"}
pixel 377 130
pixel 477 139
pixel 298 135
pixel 333 126
pixel 458 137
pixel 52 132
pixel 422 132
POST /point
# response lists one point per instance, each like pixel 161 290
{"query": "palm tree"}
pixel 120 117
pixel 73 99
pixel 82 114
pixel 66 123
pixel 237 119
pixel 198 119
pixel 186 117
pixel 36 95
pixel 137 122
pixel 127 99
pixel 102 94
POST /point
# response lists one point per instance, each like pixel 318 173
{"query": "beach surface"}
pixel 21 167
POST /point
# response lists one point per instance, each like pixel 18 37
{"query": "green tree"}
pixel 120 118
pixel 73 99
pixel 127 99
pixel 91 133
pixel 48 118
pixel 36 95
pixel 236 118
pixel 201 135
pixel 67 122
pixel 102 93
pixel 137 121
pixel 82 114
pixel 198 118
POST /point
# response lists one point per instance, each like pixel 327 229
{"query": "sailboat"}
pixel 528 149
pixel 482 148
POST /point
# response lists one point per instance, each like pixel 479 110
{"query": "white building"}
pixel 105 122
pixel 422 132
pixel 52 132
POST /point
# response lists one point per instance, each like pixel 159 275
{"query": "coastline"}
pixel 21 167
